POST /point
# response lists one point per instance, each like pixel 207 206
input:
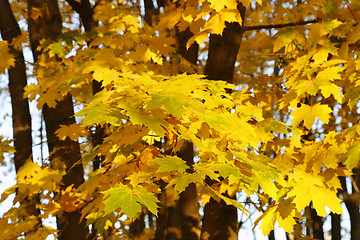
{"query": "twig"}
pixel 283 25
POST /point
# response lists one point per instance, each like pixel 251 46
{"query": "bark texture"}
pixel 21 119
pixel 352 206
pixel 188 201
pixel 49 26
pixel 17 81
pixel 317 225
pixel 335 226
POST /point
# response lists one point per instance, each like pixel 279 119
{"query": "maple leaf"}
pixel 151 137
pixel 99 113
pixel 121 196
pixel 268 220
pixel 181 182
pixel 171 163
pixel 199 38
pixel 74 131
pixel 284 39
pixel 219 5
pixel 31 177
pixel 105 75
pixel 311 188
pixel 353 156
pixel 147 199
pixel 174 103
pixel 321 55
pixel 70 201
pixel 149 153
pixel 7 59
pixel 151 120
pixel 57 49
pixel 308 114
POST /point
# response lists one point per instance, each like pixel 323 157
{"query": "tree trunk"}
pixel 86 13
pixel 353 209
pixel 317 225
pixel 220 220
pixel 272 235
pixel 189 204
pixel 49 26
pixel 335 226
pixel 17 81
pixel 162 214
pixel 21 119
pixel 138 226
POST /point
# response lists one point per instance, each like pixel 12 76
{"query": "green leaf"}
pixel 147 199
pixel 180 183
pixel 171 163
pixel 225 170
pixel 153 120
pixel 353 156
pixel 173 103
pixel 129 200
pixel 98 113
pixel 121 196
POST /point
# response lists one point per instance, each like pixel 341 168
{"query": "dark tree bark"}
pixel 86 13
pixel 149 11
pixel 223 51
pixel 272 235
pixel 335 226
pixel 352 207
pixel 49 26
pixel 161 221
pixel 173 224
pixel 17 81
pixel 188 202
pixel 220 220
pixel 317 225
pixel 138 226
pixel 21 119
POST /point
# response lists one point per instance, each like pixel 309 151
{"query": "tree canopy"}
pixel 179 103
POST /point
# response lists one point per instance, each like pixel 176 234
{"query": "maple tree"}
pixel 182 104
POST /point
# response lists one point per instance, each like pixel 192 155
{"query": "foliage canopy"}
pixel 276 134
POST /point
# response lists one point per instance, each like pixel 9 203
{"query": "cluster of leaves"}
pixel 246 140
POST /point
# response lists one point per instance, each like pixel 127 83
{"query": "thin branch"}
pixel 96 4
pixel 283 25
pixel 352 13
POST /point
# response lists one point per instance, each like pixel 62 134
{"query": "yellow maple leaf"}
pixel 268 220
pixel 150 55
pixel 307 188
pixel 70 201
pixel 308 114
pixel 321 55
pixel 199 38
pixel 73 131
pixel 219 5
pixel 7 59
pixel 318 30
pixel 105 75
pixel 284 39
pixel 151 137
pixel 283 213
pixel 216 24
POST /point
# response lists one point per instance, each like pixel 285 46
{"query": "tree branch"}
pixel 283 25
pixel 75 5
